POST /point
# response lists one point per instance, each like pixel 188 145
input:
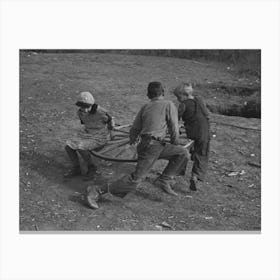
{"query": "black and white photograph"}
pixel 140 140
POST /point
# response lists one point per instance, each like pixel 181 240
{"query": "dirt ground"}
pixel 229 199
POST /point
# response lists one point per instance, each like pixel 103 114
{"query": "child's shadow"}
pixel 53 167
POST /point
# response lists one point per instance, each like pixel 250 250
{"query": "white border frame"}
pixel 153 24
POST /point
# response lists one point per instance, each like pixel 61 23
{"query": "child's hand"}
pixel 133 142
pixel 111 124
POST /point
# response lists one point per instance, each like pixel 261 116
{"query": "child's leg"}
pixel 87 158
pixel 90 168
pixel 72 154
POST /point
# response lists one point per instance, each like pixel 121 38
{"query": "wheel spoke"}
pixel 113 147
pixel 98 155
pixel 117 141
pixel 189 144
pixel 122 131
pixel 121 126
pixel 121 152
pixel 118 136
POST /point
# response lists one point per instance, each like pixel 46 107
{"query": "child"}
pixel 195 115
pixel 95 134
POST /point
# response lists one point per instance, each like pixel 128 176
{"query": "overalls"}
pixel 195 117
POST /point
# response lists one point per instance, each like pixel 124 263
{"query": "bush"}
pixel 252 107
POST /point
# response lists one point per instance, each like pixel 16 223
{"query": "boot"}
pixel 124 185
pixel 165 186
pixel 92 197
pixel 193 183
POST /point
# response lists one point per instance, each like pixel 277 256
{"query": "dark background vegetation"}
pixel 245 61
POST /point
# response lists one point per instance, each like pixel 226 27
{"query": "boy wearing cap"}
pixel 96 122
pixel 150 125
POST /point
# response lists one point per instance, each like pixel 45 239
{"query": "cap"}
pixel 86 97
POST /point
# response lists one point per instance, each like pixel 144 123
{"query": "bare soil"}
pixel 49 84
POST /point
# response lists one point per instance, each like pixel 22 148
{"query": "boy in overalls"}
pixel 195 115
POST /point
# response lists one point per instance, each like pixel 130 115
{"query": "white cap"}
pixel 86 97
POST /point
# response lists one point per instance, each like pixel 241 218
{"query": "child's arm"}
pixel 181 110
pixel 203 108
pixel 108 120
pixel 136 128
pixel 78 113
pixel 101 109
pixel 172 122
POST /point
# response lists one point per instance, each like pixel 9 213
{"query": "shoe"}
pixel 193 184
pixel 72 173
pixel 92 196
pixel 165 187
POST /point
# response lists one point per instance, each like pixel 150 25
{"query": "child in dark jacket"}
pixel 195 116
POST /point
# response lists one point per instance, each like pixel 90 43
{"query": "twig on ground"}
pixel 255 164
pixel 196 62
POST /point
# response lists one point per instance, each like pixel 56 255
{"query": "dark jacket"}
pixel 196 118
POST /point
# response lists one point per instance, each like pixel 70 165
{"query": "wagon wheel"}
pixel 117 149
